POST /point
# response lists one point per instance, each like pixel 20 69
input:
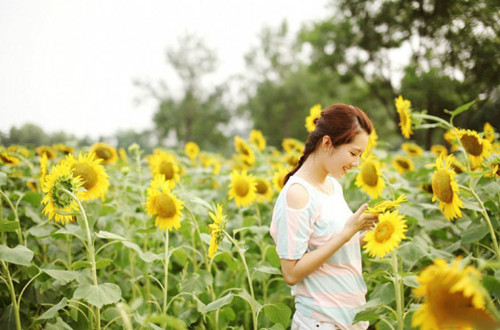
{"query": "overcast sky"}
pixel 69 65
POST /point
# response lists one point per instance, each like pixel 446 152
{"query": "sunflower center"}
pixel 167 169
pixel 383 232
pixel 472 145
pixel 441 185
pixel 369 175
pixel 403 163
pixel 88 174
pixel 103 153
pixel 59 197
pixel 261 187
pixel 165 206
pixel 242 187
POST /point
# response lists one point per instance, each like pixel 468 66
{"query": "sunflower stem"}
pixel 486 217
pixel 398 291
pixel 16 216
pixel 90 249
pixel 259 219
pixel 165 284
pixel 237 246
pixel 15 305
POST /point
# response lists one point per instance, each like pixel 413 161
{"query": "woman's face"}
pixel 341 159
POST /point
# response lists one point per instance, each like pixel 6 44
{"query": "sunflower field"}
pixel 100 238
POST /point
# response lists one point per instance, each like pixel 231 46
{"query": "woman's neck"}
pixel 312 172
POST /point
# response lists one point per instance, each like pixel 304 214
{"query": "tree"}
pixel 28 134
pixel 455 41
pixel 196 115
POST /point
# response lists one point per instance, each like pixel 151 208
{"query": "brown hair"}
pixel 341 123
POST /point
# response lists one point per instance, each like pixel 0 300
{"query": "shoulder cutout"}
pixel 297 196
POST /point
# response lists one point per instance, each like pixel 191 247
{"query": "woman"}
pixel 316 234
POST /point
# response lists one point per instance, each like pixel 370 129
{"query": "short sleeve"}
pixel 291 230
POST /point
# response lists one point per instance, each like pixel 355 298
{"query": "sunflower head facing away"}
pixel 403 109
pixel 390 230
pixel 489 132
pixel 58 203
pixel 216 230
pixel 370 177
pixel 257 139
pixel 314 113
pixel 387 205
pixel 163 205
pixel 453 298
pixel 105 152
pixel 92 174
pixel 243 188
pixel 445 188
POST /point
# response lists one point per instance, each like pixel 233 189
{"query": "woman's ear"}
pixel 326 142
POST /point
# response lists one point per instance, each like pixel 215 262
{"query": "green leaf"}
pixel 41 230
pixel 200 201
pixel 475 232
pixel 268 270
pixel 60 324
pixel 81 264
pixel 8 226
pixel 278 313
pixel 411 281
pixel 34 198
pixel 100 295
pixel 52 311
pixel 108 235
pixel 147 257
pixel 102 263
pixel 492 284
pixel 63 276
pixel 384 293
pixel 196 283
pixel 20 255
pixel 217 304
pixel 8 319
pixel 460 109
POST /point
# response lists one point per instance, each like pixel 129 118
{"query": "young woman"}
pixel 317 236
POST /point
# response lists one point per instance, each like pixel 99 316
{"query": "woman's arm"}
pixel 295 271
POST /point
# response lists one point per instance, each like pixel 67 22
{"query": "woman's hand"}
pixel 360 221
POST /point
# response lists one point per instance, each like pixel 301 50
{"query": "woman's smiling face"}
pixel 346 156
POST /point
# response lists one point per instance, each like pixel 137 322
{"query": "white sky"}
pixel 69 65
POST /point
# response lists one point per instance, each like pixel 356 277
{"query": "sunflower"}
pixel 390 230
pixel 403 164
pixel 493 167
pixel 257 139
pixel 163 204
pixel 216 230
pixel 477 148
pixel 290 145
pixel 489 132
pixel 59 204
pixel 243 188
pixel 369 177
pixel 19 150
pixel 264 191
pixel 451 137
pixel 245 152
pixel 162 163
pixel 105 152
pixel 411 149
pixel 314 114
pixel 292 158
pixel 192 150
pixel 439 149
pixel 9 159
pixel 387 205
pixel 453 298
pixel 372 142
pixel 279 177
pixel 93 176
pixel 49 151
pixel 445 188
pixel 403 109
pixel 63 148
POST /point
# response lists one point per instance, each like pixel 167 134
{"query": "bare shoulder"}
pixel 297 196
